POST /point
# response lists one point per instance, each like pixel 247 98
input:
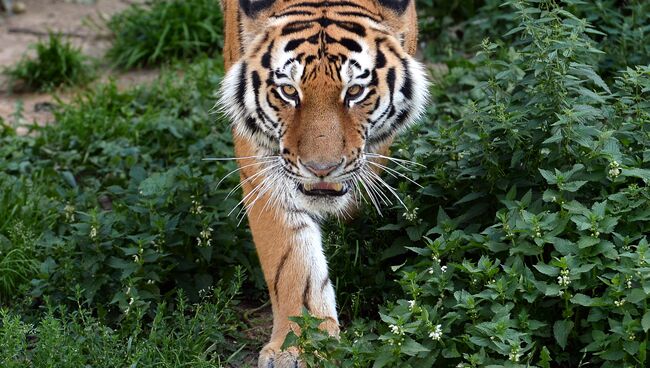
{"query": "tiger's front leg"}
pixel 289 246
pixel 290 251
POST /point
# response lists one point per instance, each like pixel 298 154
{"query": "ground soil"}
pixel 83 22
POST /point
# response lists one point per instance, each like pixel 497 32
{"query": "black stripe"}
pixel 390 79
pixel 352 27
pixel 305 294
pixel 278 272
pixel 350 44
pixel 325 282
pixel 299 227
pixel 266 58
pixel 251 124
pixel 252 7
pixel 380 58
pixel 380 138
pixel 257 83
pixel 407 87
pixel 293 12
pixel 291 29
pixel 359 14
pixel 326 4
pixel 293 44
pixel 400 119
pixel 241 86
pixel 398 5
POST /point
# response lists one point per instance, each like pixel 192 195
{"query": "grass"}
pixel 165 31
pixel 183 334
pixel 56 63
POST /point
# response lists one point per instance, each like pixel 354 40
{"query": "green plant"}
pixel 532 221
pixel 183 334
pixel 56 63
pixel 165 31
pixel 526 245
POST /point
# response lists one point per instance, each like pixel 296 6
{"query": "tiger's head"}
pixel 324 86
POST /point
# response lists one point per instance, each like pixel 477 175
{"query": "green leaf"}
pixel 637 173
pixel 548 176
pixel 636 296
pixel 411 347
pixel 561 331
pixel 547 269
pixel 645 321
pixel 582 299
pixel 545 358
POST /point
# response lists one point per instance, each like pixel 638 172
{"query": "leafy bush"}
pixel 533 215
pixel 56 63
pixel 190 335
pixel 165 31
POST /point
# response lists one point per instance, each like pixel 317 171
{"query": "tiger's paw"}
pixel 273 357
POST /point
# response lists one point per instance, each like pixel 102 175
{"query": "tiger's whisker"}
pixel 252 177
pixel 241 168
pixel 393 173
pixel 393 159
pixel 237 158
pixel 391 189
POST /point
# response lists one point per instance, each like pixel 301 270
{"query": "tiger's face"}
pixel 323 94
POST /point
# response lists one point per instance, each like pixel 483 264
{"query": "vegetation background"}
pixel 526 244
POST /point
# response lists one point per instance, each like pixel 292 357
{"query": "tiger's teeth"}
pixel 309 187
pixel 337 187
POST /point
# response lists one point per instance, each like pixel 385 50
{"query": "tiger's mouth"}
pixel 324 189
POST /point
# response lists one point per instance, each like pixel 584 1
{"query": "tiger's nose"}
pixel 322 169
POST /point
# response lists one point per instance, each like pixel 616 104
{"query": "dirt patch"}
pixel 82 22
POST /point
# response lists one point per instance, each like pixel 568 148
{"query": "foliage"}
pixel 135 212
pixel 56 63
pixel 532 218
pixel 526 245
pixel 188 335
pixel 164 31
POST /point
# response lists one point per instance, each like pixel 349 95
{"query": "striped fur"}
pixel 312 84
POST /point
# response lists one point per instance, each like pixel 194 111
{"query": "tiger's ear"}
pixel 401 19
pixel 253 17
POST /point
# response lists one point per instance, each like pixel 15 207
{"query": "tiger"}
pixel 316 91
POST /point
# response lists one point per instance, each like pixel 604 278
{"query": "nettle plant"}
pixel 529 235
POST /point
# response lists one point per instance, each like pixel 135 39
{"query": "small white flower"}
pixel 204 237
pixel 443 269
pixel 619 303
pixel 93 232
pixel 564 280
pixel 436 334
pixel 69 213
pixel 614 169
pixel 411 215
pixel 430 270
pixel 411 304
pixel 514 357
pixel 397 330
pixel 196 209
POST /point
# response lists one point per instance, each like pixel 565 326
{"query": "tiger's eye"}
pixel 289 91
pixel 355 91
